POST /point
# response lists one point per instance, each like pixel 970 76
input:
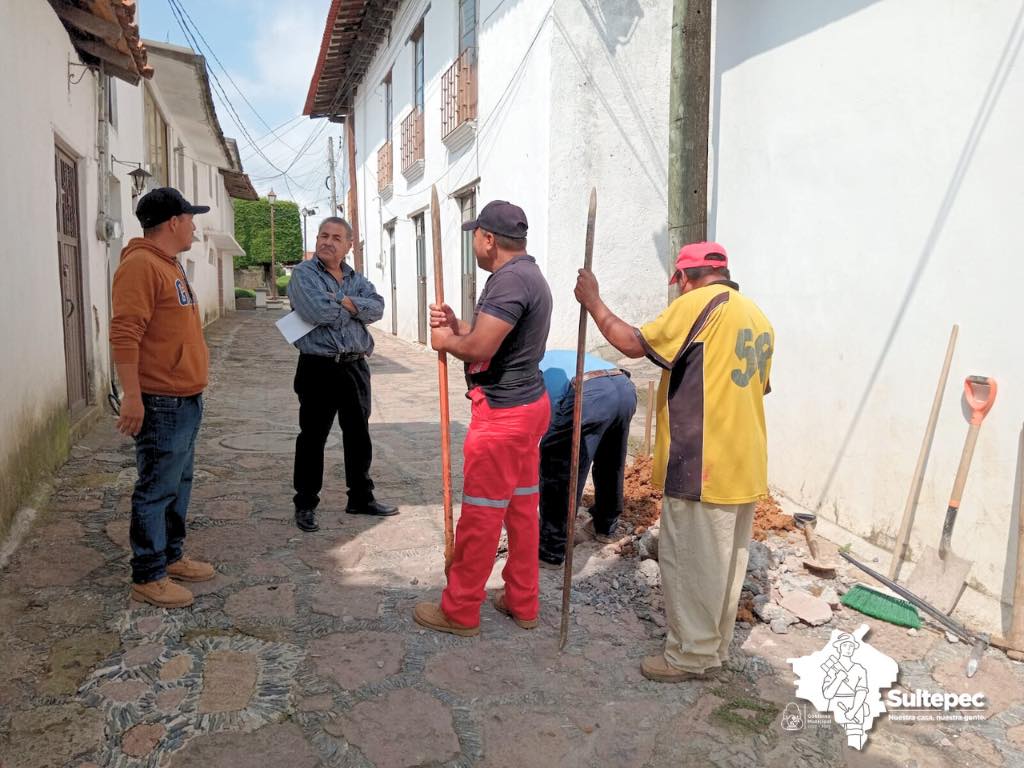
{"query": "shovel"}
pixel 940 577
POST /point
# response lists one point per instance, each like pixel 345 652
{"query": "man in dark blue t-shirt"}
pixel 502 350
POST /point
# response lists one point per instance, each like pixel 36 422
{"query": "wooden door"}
pixel 421 279
pixel 69 255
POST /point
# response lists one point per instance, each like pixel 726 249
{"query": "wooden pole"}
pixel 689 104
pixel 650 418
pixel 442 385
pixel 922 460
pixel 577 414
pixel 353 192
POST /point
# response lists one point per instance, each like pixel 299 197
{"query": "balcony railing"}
pixel 412 139
pixel 458 92
pixel 385 167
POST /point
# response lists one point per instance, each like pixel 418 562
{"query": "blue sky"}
pixel 269 49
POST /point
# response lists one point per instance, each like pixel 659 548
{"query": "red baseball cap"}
pixel 699 255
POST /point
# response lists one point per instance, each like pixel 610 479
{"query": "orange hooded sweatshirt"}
pixel 156 322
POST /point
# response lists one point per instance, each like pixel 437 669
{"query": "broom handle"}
pixel 922 459
pixel 442 385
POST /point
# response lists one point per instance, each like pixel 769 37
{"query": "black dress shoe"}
pixel 378 508
pixel 305 519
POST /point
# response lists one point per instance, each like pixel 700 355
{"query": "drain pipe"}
pixel 106 228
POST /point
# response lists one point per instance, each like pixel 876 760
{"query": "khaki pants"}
pixel 702 551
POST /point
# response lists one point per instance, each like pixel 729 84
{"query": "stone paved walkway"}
pixel 302 652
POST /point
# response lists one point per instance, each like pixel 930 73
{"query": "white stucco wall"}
pixel 610 66
pixel 866 170
pixel 571 95
pixel 41 110
pixel 509 155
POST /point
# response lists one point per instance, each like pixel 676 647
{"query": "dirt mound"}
pixel 641 504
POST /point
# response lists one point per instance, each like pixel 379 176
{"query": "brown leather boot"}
pixel 188 569
pixel 431 616
pixel 163 593
pixel 501 607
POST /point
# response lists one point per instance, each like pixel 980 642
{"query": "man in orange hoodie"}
pixel 156 336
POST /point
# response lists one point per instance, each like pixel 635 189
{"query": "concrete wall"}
pixel 609 129
pixel 866 171
pixel 571 95
pixel 42 109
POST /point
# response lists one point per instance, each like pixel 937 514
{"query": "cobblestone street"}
pixel 302 652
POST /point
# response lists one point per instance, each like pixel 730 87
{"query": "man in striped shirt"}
pixel 715 348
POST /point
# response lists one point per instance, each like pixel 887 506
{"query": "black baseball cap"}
pixel 158 205
pixel 500 217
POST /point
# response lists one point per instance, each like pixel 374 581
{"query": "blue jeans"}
pixel 608 406
pixel 164 451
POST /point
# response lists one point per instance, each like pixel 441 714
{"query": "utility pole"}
pixel 353 191
pixel 331 179
pixel 306 212
pixel 689 104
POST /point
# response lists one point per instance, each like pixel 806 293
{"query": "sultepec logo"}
pixel 845 678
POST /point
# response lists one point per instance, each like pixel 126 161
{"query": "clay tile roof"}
pixel 352 33
pixel 105 31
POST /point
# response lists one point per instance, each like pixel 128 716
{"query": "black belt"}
pixel 606 372
pixel 350 357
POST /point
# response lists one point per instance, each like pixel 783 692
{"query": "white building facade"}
pixel 529 101
pixel 73 132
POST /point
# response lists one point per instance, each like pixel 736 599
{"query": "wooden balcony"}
pixel 412 143
pixel 458 93
pixel 385 169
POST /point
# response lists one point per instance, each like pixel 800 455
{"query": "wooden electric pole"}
pixel 689 105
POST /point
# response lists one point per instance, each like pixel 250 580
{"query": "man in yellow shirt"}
pixel 715 346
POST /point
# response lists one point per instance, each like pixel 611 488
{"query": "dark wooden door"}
pixel 69 254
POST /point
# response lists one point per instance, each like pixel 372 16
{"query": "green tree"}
pixel 252 231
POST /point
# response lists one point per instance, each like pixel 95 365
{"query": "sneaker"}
pixel 163 593
pixel 501 607
pixel 658 669
pixel 431 616
pixel 188 569
pixel 605 538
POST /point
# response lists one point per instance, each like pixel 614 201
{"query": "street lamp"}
pixel 272 198
pixel 306 212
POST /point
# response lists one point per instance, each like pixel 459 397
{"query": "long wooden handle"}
pixel 577 415
pixel 1017 623
pixel 442 386
pixel 922 459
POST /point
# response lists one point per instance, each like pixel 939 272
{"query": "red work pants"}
pixel 501 463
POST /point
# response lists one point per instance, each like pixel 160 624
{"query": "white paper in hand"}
pixel 293 327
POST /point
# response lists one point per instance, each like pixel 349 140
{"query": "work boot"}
pixel 163 593
pixel 658 669
pixel 431 616
pixel 188 569
pixel 501 607
pixel 605 538
pixel 305 520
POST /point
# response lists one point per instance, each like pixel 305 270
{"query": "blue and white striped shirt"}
pixel 316 295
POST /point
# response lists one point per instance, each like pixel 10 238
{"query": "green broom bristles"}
pixel 870 602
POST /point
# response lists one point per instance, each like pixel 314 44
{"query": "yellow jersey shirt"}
pixel 715 347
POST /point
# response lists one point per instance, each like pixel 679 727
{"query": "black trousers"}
pixel 608 406
pixel 327 389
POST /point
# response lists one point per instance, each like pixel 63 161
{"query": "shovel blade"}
pixel 939 581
